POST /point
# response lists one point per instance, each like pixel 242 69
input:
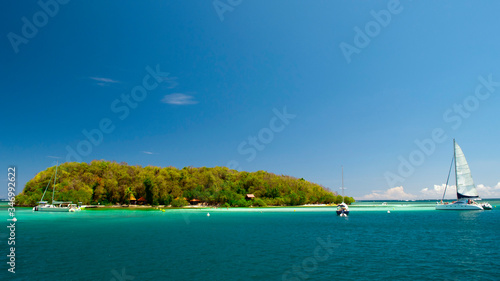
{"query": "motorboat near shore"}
pixel 342 209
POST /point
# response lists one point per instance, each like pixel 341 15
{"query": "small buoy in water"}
pixel 208 214
pixel 388 212
pixel 163 210
pixel 294 210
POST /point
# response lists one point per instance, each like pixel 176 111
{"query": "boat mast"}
pixel 448 179
pixel 342 184
pixel 48 184
pixel 455 157
pixel 54 187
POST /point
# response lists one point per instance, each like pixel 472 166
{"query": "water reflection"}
pixel 468 215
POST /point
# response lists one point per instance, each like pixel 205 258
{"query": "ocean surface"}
pixel 412 242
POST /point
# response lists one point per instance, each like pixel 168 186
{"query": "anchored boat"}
pixel 342 209
pixel 466 189
pixel 56 206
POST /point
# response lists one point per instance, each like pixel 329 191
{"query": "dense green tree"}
pixel 148 187
pixel 179 202
pixel 348 200
pixel 110 183
pixel 259 203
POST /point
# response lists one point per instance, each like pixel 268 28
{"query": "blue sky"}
pixel 291 87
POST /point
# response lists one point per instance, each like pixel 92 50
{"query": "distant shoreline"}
pixel 147 208
pixel 359 205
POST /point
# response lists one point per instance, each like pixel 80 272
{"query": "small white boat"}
pixel 486 206
pixel 342 208
pixel 466 189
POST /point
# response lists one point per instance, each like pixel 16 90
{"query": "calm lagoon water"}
pixel 413 241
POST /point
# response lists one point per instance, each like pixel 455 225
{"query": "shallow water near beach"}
pixel 413 241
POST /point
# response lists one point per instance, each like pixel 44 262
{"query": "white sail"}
pixel 465 184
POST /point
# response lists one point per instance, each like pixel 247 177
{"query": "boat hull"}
pixel 54 209
pixel 459 207
pixel 342 212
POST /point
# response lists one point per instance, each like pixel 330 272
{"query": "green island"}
pixel 109 183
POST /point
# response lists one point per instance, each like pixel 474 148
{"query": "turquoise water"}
pixel 411 242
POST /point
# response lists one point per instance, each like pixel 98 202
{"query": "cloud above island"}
pixel 395 193
pixel 179 99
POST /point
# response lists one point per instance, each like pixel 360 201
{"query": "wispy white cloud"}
pixel 104 82
pixel 104 79
pixel 179 99
pixel 148 152
pixel 169 82
pixel 395 193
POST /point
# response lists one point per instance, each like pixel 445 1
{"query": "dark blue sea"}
pixel 412 242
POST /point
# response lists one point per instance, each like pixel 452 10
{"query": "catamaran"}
pixel 342 209
pixel 466 189
pixel 56 206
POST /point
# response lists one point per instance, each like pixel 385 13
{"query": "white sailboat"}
pixel 342 208
pixel 56 206
pixel 466 189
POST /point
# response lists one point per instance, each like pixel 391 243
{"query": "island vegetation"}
pixel 109 183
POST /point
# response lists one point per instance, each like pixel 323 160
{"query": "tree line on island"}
pixel 107 183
